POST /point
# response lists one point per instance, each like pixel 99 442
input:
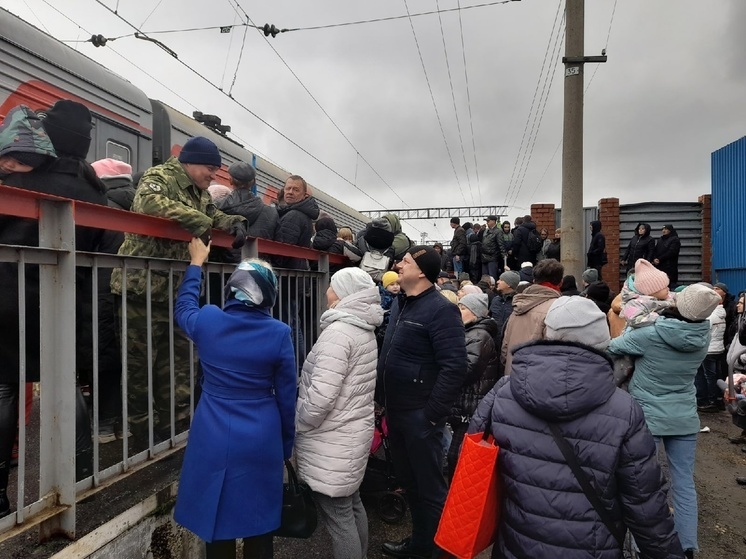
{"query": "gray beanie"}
pixel 590 275
pixel 477 304
pixel 696 302
pixel 577 319
pixel 511 278
pixel 348 281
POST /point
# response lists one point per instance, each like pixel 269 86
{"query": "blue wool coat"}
pixel 545 514
pixel 244 424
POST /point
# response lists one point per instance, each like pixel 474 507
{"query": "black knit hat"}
pixel 68 124
pixel 427 260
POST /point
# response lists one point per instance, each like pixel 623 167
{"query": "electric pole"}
pixel 572 249
pixel 571 223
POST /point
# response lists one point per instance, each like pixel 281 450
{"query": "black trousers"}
pixel 256 547
pixel 9 427
pixel 417 453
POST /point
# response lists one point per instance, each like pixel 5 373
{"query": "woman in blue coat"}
pixel 244 425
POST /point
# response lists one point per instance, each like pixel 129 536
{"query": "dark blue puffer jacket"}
pixel 544 512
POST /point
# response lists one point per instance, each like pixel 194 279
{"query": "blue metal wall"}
pixel 728 208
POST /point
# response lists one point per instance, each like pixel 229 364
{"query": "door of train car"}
pixel 117 142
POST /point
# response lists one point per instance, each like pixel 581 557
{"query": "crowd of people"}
pixel 488 333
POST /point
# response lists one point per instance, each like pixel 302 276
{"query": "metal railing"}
pixel 52 505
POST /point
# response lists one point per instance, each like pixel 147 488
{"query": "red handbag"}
pixel 470 516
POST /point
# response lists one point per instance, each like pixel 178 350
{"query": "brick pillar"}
pixel 706 219
pixel 608 214
pixel 543 215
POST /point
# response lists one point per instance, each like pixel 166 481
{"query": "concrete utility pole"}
pixel 572 223
pixel 572 249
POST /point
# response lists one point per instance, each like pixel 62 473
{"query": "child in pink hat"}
pixel 645 295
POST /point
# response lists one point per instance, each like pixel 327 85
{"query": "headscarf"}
pixel 254 284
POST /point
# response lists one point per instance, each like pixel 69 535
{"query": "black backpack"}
pixel 534 242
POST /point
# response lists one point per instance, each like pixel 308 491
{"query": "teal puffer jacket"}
pixel 668 355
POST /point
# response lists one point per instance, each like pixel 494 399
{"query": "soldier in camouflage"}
pixel 177 190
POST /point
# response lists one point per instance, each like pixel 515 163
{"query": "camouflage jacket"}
pixel 167 191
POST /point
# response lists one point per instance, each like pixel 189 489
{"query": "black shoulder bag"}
pixel 585 484
pixel 298 509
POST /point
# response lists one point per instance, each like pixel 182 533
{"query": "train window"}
pixel 118 151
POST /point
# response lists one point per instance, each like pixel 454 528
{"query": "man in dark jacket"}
pixel 567 381
pixel 491 252
pixel 502 304
pixel 421 370
pixel 242 201
pixel 459 245
pixel 297 213
pixel 521 241
pixel 666 254
pixel 597 249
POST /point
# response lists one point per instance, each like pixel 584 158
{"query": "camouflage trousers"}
pixel 138 364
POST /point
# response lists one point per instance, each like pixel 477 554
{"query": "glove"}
pixel 239 231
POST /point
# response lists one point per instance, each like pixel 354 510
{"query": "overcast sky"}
pixel 672 92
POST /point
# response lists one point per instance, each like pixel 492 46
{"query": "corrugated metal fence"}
pixel 728 203
pixel 686 217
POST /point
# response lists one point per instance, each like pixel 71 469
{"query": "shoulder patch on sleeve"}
pixel 153 186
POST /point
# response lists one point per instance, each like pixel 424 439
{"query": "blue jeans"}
pixel 680 451
pixel 706 381
pixel 458 265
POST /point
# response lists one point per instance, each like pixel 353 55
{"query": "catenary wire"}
pixel 323 110
pixel 328 26
pixel 468 104
pixel 150 14
pixel 435 106
pixel 453 98
pixel 587 87
pixel 544 97
pixel 227 55
pixel 159 82
pixel 511 183
pixel 36 16
pixel 252 113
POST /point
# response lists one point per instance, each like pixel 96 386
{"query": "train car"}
pixel 37 70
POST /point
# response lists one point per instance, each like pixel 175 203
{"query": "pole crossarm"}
pixel 480 212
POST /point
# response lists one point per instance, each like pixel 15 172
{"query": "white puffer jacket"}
pixel 334 413
pixel 717 330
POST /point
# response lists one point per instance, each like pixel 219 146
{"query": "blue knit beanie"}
pixel 200 151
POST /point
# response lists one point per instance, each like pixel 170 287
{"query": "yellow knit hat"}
pixel 389 278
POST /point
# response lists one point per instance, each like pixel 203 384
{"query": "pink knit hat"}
pixel 111 168
pixel 648 279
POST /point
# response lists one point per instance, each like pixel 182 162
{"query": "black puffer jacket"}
pixel 69 178
pixel 641 246
pixel 261 217
pixel 423 361
pixel 482 366
pixel 296 228
pixel 667 252
pixel 545 513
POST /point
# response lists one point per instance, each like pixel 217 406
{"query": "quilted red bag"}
pixel 472 510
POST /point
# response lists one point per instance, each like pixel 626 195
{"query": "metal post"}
pixel 572 249
pixel 57 359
